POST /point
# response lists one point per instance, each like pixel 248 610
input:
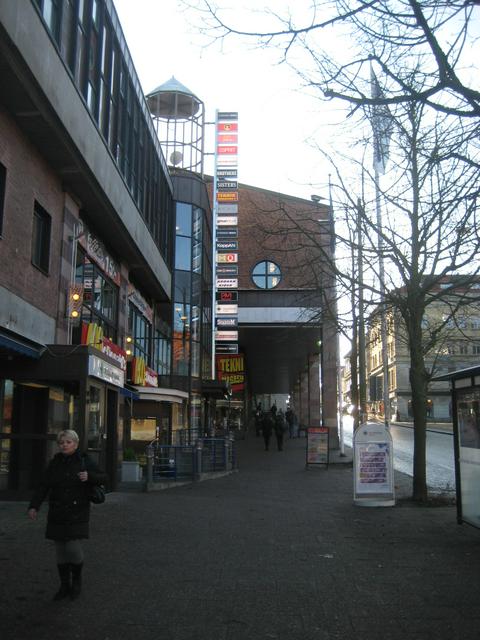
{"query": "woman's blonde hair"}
pixel 68 433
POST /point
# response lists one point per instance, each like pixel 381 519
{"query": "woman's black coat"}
pixel 69 506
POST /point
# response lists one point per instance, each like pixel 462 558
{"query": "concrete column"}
pixel 314 390
pixel 329 380
pixel 303 407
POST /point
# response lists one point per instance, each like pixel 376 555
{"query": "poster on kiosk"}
pixel 373 466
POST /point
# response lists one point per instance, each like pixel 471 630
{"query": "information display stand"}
pixel 373 466
pixel 317 446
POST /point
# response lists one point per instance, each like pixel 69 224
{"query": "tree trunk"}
pixel 419 385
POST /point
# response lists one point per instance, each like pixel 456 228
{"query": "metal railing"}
pixel 173 463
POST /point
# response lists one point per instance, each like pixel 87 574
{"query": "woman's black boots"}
pixel 64 573
pixel 76 580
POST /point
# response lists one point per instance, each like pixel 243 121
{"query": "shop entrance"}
pixel 101 428
pixel 23 436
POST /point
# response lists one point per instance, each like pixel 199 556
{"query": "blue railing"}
pixel 187 462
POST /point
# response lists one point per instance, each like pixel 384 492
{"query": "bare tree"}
pixel 430 244
pixel 394 34
pixel 429 240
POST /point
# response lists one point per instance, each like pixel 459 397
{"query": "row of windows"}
pixel 88 42
pixel 192 318
pixel 100 306
pixel 100 299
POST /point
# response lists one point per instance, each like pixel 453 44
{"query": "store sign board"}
pixel 227 258
pixel 227 221
pixel 227 115
pixel 227 174
pixel 226 322
pixel 227 233
pixel 225 209
pixel 227 149
pixel 105 371
pixel 225 347
pixel 227 245
pixel 226 336
pixel 227 270
pixel 227 296
pixel 225 161
pixel 227 138
pixel 227 196
pixel 96 250
pixel 231 368
pixel 227 283
pixel 226 185
pixel 226 309
pixel 317 445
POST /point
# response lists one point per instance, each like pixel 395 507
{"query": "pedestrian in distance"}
pixel 67 482
pixel 290 418
pixel 267 428
pixel 280 428
pixel 258 419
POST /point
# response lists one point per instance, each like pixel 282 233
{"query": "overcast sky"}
pixel 276 117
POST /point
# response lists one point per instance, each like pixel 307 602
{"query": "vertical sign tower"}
pixel 225 196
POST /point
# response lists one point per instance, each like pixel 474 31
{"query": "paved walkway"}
pixel 273 552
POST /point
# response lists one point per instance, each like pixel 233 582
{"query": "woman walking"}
pixel 67 481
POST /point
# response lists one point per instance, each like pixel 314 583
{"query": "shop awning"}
pixel 129 393
pixel 10 344
pixel 158 394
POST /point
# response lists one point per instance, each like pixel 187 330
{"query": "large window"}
pixel 51 11
pixel 97 57
pixel 42 228
pixel 266 275
pixel 161 353
pixel 100 298
pixel 140 331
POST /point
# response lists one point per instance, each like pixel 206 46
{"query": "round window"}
pixel 266 275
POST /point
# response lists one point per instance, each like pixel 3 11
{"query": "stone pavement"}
pixel 273 552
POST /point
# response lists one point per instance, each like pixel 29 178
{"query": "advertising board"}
pixel 373 466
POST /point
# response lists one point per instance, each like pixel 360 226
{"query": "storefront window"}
pixel 100 299
pixel 63 408
pixel 94 417
pixel 143 429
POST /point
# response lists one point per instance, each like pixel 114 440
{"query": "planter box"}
pixel 131 471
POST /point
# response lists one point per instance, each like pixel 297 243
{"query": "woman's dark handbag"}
pixel 95 492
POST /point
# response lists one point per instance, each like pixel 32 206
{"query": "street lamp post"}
pixel 333 310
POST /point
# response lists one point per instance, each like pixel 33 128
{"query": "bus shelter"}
pixel 465 390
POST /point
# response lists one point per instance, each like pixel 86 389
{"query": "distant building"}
pixel 457 347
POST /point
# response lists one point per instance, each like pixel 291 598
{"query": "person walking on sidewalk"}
pixel 66 482
pixel 290 418
pixel 280 428
pixel 267 428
